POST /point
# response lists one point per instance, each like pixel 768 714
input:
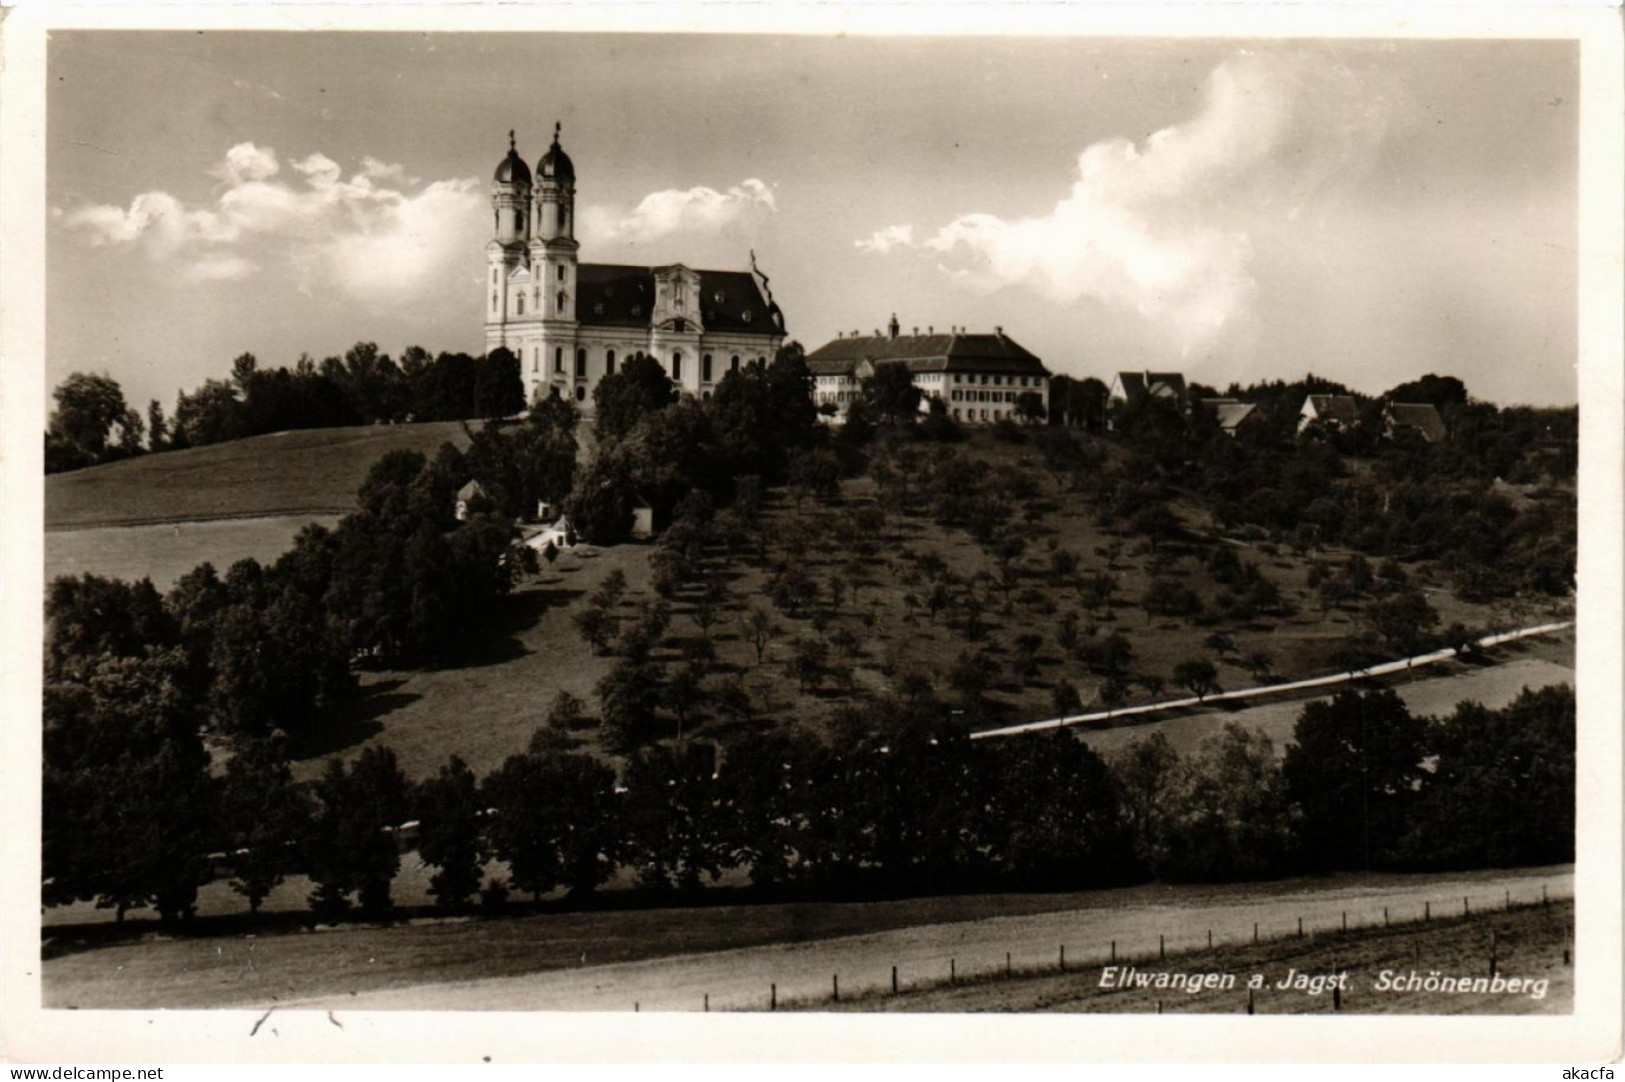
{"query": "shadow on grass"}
pixel 353 722
pixel 516 614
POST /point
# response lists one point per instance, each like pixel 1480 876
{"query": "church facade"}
pixel 570 323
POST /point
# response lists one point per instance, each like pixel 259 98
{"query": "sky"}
pixel 1238 210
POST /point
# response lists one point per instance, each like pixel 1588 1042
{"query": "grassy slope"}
pixel 1529 946
pixel 309 471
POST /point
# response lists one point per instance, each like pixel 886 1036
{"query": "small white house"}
pixel 466 497
pixel 560 535
pixel 643 519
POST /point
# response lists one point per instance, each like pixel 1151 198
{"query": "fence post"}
pixel 1162 948
pixel 1063 957
pixel 894 980
pixel 1464 909
pixel 708 1003
pixel 835 987
pixel 1545 902
pixel 1300 927
pixel 1337 997
pixel 1427 912
pixel 772 997
pixel 1492 952
pixel 953 977
pixel 1159 1006
pixel 1345 920
pixel 1509 899
pixel 1114 952
pixel 634 1006
pixel 1385 916
pixel 1255 940
pixel 1210 939
pixel 1008 969
pixel 1249 1001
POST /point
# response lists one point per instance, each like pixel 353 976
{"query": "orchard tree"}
pixel 449 835
pixel 1198 675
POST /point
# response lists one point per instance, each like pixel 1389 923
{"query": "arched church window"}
pixel 609 363
pixel 561 271
pixel 581 393
pixel 705 368
pixel 677 365
pixel 560 307
pixel 521 299
pixel 581 364
pixel 536 359
pixel 558 359
pixel 733 365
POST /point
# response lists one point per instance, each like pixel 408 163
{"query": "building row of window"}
pixel 707 364
pixel 959 377
pixel 988 396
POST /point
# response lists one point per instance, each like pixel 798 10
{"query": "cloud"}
pixel 1166 228
pixel 884 240
pixel 692 211
pixel 378 236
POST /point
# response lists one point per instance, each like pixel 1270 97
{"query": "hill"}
pixel 304 472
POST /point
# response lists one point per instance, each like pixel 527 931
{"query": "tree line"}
pixel 896 802
pixel 92 423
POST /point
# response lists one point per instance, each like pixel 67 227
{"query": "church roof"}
pixel 926 353
pixel 512 169
pixel 556 164
pixel 619 295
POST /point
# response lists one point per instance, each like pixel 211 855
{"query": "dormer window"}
pixel 720 297
pixel 745 315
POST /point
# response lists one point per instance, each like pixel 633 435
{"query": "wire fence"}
pixel 984 965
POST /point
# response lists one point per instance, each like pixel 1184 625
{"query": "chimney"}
pixel 916 332
pixel 930 330
pixel 892 327
pixel 999 331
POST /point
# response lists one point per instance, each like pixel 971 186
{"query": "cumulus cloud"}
pixel 379 236
pixel 1165 228
pixel 691 211
pixel 884 240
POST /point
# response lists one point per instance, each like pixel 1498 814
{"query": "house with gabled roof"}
pixel 1333 411
pixel 466 496
pixel 979 378
pixel 1230 413
pixel 1131 387
pixel 1420 418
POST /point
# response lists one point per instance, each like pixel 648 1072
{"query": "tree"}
pixel 157 427
pixel 1064 699
pixel 638 388
pixel 596 626
pixel 89 409
pixel 352 842
pixel 759 629
pixel 555 822
pixel 449 836
pixel 892 394
pixel 499 388
pixel 567 713
pixel 1198 675
pixel 1030 408
pixel 815 473
pixel 264 816
pixel 684 691
pixel 809 663
pixel 1403 619
pixel 626 701
pixel 1225 815
pixel 1059 825
pixel 1352 771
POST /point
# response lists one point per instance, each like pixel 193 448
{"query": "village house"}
pixel 1420 418
pixel 1230 413
pixel 979 378
pixel 1332 411
pixel 467 496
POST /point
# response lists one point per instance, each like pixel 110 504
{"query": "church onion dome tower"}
pixel 510 199
pixel 555 164
pixel 513 169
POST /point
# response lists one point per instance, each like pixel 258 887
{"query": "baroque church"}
pixel 570 323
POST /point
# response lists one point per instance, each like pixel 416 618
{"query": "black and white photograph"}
pixel 734 520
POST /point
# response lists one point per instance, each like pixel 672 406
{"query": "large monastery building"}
pixel 570 323
pixel 978 377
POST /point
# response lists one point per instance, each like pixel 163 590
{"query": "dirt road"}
pixel 741 979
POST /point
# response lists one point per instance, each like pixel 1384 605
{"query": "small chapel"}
pixel 569 322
